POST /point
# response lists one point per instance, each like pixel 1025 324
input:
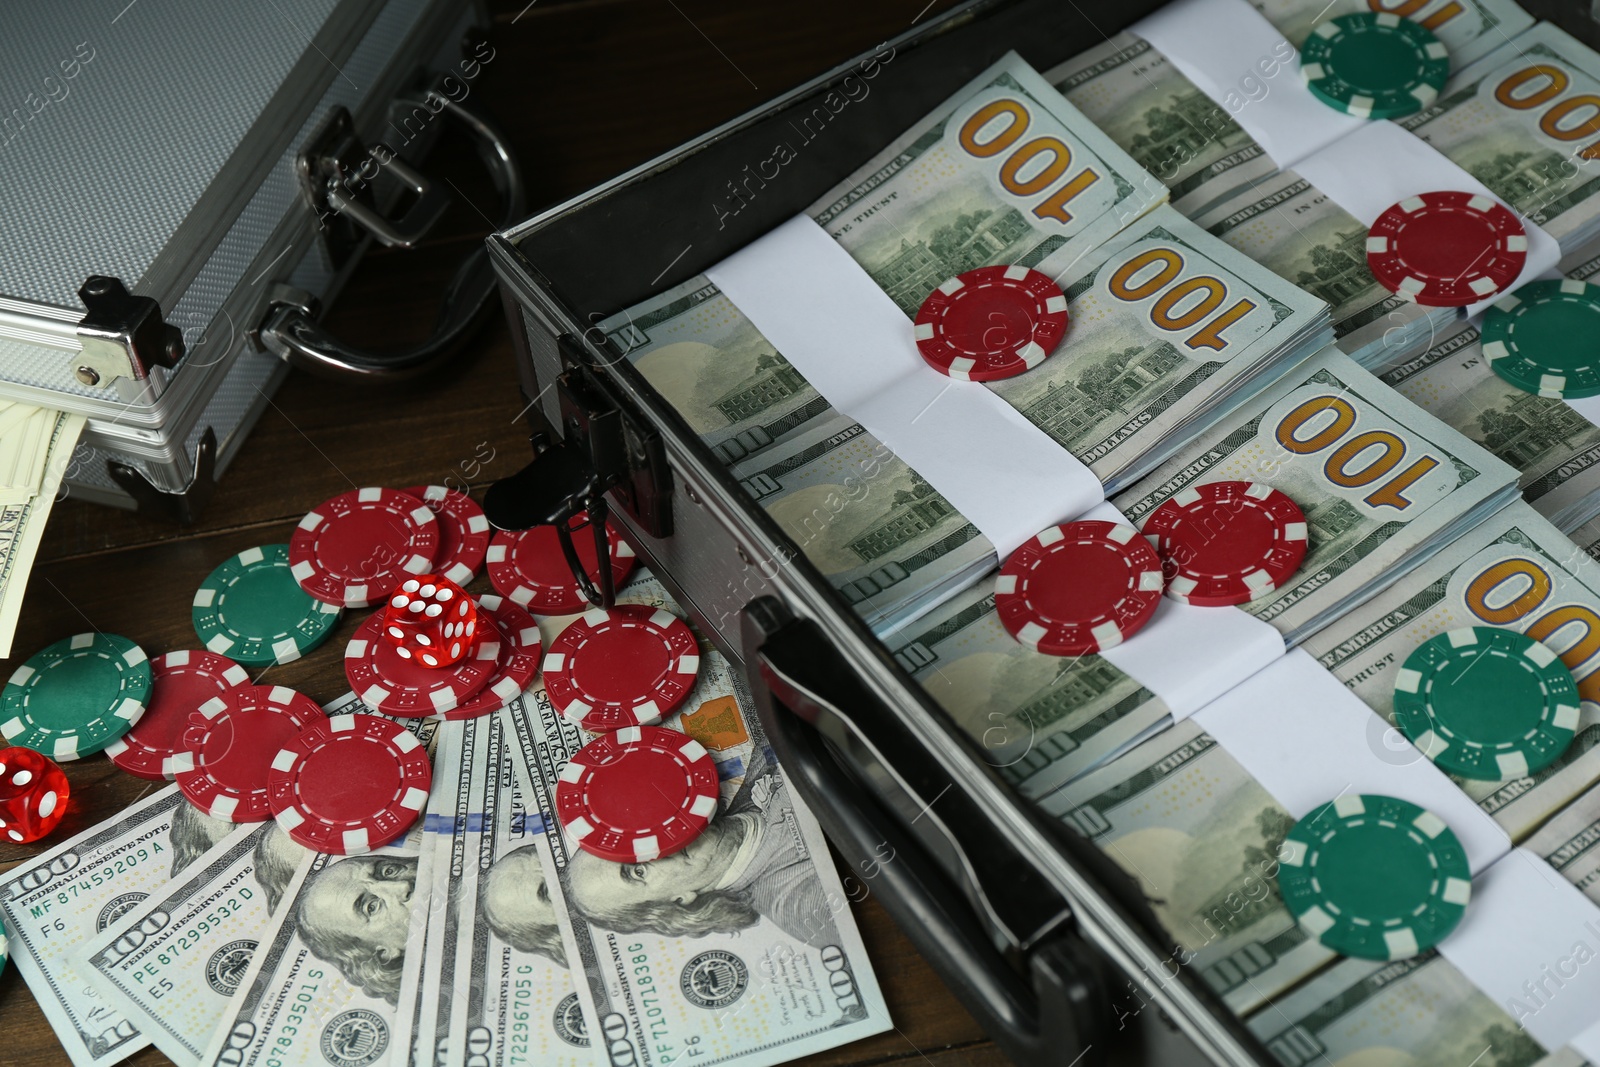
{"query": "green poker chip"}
pixel 1374 877
pixel 77 696
pixel 4 951
pixel 1374 66
pixel 1542 338
pixel 253 611
pixel 1486 703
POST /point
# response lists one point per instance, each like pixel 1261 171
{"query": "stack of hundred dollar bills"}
pixel 479 938
pixel 1225 182
pixel 1121 394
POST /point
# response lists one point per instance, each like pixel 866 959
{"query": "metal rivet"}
pixel 744 556
pixel 88 376
pixel 693 496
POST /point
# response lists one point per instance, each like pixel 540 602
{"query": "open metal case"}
pixel 1050 945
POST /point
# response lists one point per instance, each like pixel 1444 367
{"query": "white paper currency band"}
pixel 1380 164
pixel 839 329
pixel 1531 941
pixel 1190 656
pixel 1363 166
pixel 1227 48
pixel 1307 739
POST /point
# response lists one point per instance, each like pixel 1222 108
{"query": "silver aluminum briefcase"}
pixel 1047 943
pixel 184 183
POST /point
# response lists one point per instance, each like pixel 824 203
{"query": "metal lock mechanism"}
pixel 603 448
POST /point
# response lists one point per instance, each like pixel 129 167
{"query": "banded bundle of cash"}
pixel 1121 394
pixel 1223 180
pixel 1556 447
pixel 479 938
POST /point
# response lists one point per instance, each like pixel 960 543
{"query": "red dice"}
pixel 432 619
pixel 33 795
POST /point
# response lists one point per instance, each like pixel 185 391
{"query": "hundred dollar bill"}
pixel 1570 843
pixel 1202 837
pixel 733 388
pixel 1556 449
pixel 1040 720
pixel 1005 171
pixel 1422 1012
pixel 765 966
pixel 171 965
pixel 1191 142
pixel 57 903
pixel 1383 485
pixel 22 522
pixel 1516 121
pixel 323 984
pixel 1291 227
pixel 509 998
pixel 1148 362
pixel 173 961
pixel 1515 571
pixel 875 528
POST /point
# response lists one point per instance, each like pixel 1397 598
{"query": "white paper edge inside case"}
pixel 1190 656
pixel 1517 943
pixel 834 324
pixel 1308 739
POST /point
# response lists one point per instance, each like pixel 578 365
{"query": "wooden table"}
pixel 585 89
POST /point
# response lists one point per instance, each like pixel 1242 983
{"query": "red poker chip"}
pixel 628 666
pixel 528 567
pixel 1079 587
pixel 355 549
pixel 991 323
pixel 388 682
pixel 518 662
pixel 637 794
pixel 180 682
pixel 1227 542
pixel 229 744
pixel 464 531
pixel 1447 249
pixel 349 784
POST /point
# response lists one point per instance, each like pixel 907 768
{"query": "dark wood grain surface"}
pixel 585 89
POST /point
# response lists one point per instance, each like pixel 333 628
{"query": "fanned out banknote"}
pixel 323 983
pixel 1556 448
pixel 57 903
pixel 1190 142
pixel 981 180
pixel 494 984
pixel 751 956
pixel 173 963
pixel 34 482
pixel 1515 571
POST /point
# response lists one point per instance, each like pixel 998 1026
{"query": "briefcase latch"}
pixel 339 176
pixel 603 449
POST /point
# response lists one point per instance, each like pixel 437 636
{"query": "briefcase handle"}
pixel 291 332
pixel 1053 1008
